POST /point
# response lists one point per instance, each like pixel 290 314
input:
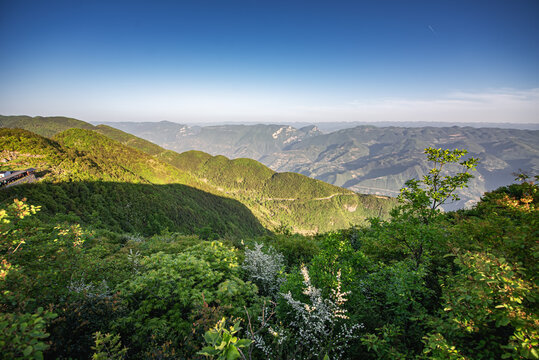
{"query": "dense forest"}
pixel 419 284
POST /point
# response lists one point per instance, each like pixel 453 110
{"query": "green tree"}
pixel 414 224
pixel 423 198
pixel 488 311
pixel 164 299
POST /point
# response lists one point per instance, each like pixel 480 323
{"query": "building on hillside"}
pixel 9 177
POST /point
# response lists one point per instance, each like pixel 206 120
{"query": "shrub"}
pixel 22 335
pixel 264 269
pixel 319 327
pixel 164 298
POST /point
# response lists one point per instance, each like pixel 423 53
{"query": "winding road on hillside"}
pixel 316 199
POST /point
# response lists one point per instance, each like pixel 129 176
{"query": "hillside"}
pixel 44 126
pixel 370 159
pixel 305 205
pixel 399 282
pixel 292 200
pixel 87 186
pixel 366 159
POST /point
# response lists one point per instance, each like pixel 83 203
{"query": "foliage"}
pixel 264 269
pixel 319 326
pixel 506 223
pixel 22 335
pixel 414 225
pixel 80 316
pixel 9 225
pixel 163 299
pixel 421 285
pixel 223 343
pixel 296 249
pixel 383 343
pixel 108 347
pixel 422 198
pixel 11 234
pixel 437 347
pixel 489 309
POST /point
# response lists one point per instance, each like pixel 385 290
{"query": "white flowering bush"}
pixel 320 326
pixel 264 269
pixel 89 290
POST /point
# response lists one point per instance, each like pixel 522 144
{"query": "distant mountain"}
pixel 339 125
pixel 251 141
pixel 379 160
pixel 366 159
pixel 276 199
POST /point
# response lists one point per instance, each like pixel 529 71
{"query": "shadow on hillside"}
pixel 141 208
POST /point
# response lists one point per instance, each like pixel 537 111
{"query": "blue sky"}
pixel 272 61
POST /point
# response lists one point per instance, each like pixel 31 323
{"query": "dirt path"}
pixel 377 189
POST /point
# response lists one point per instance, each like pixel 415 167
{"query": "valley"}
pixel 365 159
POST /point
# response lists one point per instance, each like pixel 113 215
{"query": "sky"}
pixel 271 61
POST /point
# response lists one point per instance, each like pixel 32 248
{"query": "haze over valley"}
pixel 366 159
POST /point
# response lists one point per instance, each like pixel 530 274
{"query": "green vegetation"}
pixel 366 159
pixel 129 140
pixel 303 205
pixel 79 289
pixel 44 126
pixel 222 344
pixel 91 179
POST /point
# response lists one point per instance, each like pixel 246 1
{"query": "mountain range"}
pixel 365 159
pixel 86 166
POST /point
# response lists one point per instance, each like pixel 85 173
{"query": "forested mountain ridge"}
pixel 114 187
pixel 233 141
pixel 366 159
pixel 44 126
pixel 291 200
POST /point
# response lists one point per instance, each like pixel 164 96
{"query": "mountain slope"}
pixel 390 156
pixel 306 205
pixel 90 188
pixel 366 159
pixel 233 141
pixel 44 126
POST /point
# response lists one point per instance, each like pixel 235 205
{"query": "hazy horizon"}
pixel 338 125
pixel 248 61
